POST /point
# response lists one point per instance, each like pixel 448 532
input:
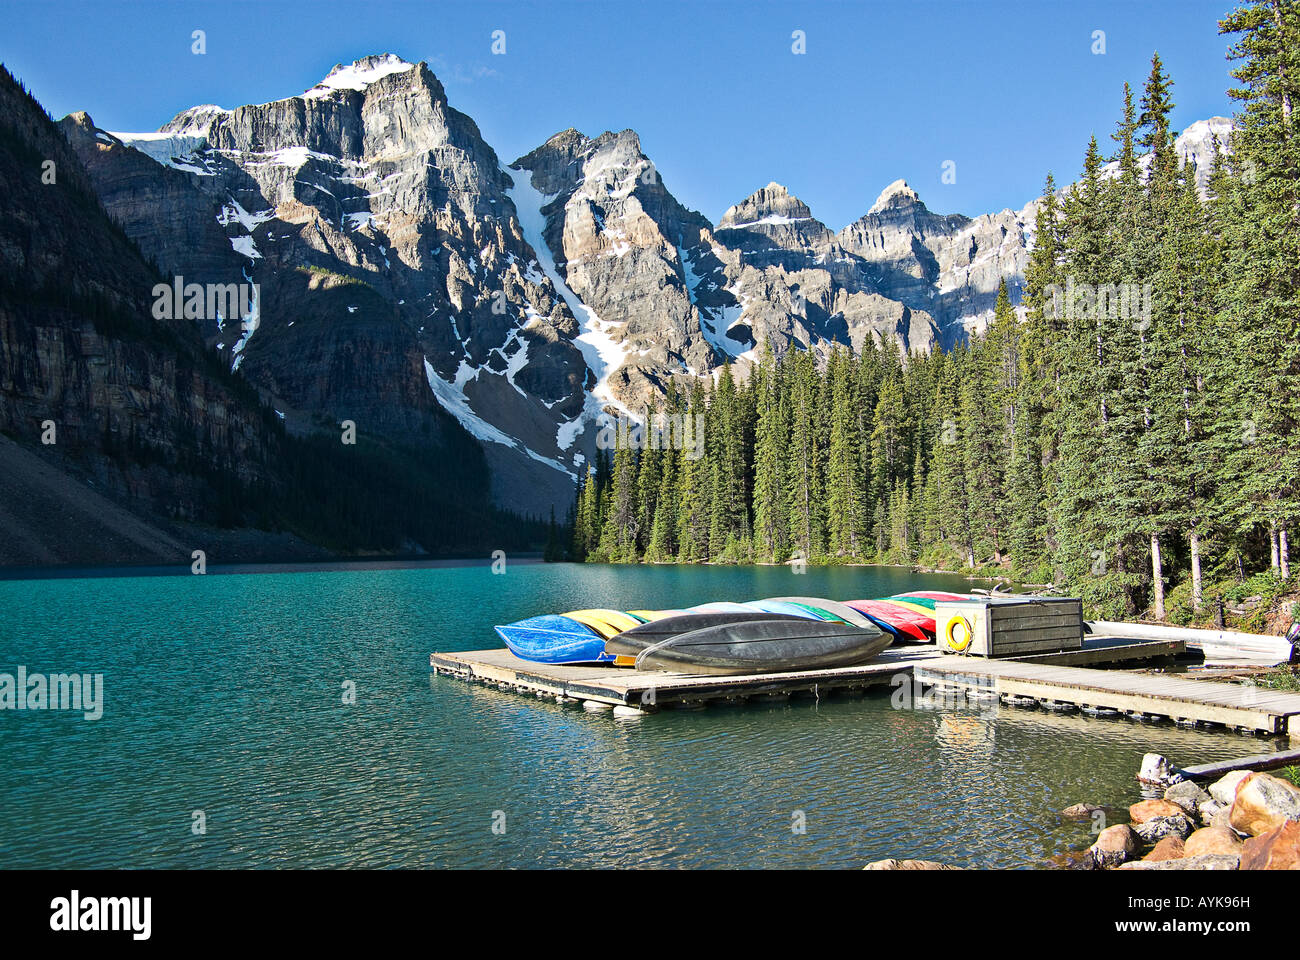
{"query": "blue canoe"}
pixel 720 606
pixel 783 607
pixel 554 639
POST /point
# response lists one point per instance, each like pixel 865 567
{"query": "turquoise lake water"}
pixel 225 693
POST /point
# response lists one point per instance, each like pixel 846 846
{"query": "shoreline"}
pixel 226 569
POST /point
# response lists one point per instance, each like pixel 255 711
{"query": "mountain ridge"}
pixel 526 299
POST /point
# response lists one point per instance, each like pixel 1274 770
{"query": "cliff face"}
pixel 82 360
pixel 127 437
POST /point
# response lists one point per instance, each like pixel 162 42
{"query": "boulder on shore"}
pixel 1158 769
pixel 1150 809
pixel 1211 811
pixel 894 864
pixel 1225 788
pixel 1114 845
pixel 1169 848
pixel 1188 795
pixel 1157 828
pixel 1213 840
pixel 1263 803
pixel 1207 861
pixel 1279 849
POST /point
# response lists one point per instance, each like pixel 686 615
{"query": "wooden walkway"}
pixel 1233 705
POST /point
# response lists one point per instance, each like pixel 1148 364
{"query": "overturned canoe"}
pixel 936 595
pixel 766 646
pixel 907 624
pixel 801 611
pixel 828 609
pixel 554 639
pixel 629 643
pixel 605 622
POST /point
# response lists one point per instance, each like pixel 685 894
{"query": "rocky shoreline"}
pixel 1243 821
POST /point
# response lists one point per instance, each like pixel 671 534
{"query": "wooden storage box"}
pixel 1009 627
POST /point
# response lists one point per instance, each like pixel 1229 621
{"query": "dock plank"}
pixel 1108 651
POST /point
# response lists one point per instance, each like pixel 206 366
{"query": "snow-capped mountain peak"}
pixel 894 194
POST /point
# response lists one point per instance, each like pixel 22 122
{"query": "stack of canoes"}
pixel 774 635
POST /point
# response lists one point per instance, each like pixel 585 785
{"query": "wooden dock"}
pixel 1051 679
pixel 1147 695
pixel 622 687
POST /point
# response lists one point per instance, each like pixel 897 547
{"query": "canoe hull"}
pixel 629 643
pixel 554 639
pixel 909 626
pixel 766 646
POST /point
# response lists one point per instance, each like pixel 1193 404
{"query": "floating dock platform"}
pixel 650 689
pixel 1056 680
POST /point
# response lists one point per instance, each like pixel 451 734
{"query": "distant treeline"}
pixel 1136 427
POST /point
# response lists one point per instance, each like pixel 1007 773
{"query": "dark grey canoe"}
pixel 631 642
pixel 766 646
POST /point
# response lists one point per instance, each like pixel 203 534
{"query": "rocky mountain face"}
pixel 402 269
pixel 128 439
pixel 393 281
pixel 85 372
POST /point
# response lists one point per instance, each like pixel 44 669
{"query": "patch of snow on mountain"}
pixel 169 149
pixel 453 400
pixel 771 219
pixel 293 157
pixel 196 121
pixel 715 322
pixel 234 212
pixel 248 324
pixel 602 353
pixel 358 75
pixel 569 432
pixel 246 247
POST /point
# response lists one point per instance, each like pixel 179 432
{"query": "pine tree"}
pixel 725 441
pixel 619 535
pixel 649 476
pixel 1156 385
pixel 771 515
pixel 890 456
pixel 805 492
pixel 1088 557
pixel 845 483
pixel 693 493
pixel 982 455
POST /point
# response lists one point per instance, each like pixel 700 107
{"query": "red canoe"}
pixel 908 624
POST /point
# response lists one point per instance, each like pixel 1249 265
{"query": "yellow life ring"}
pixel 953 644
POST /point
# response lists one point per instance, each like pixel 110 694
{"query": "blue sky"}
pixel 1005 90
